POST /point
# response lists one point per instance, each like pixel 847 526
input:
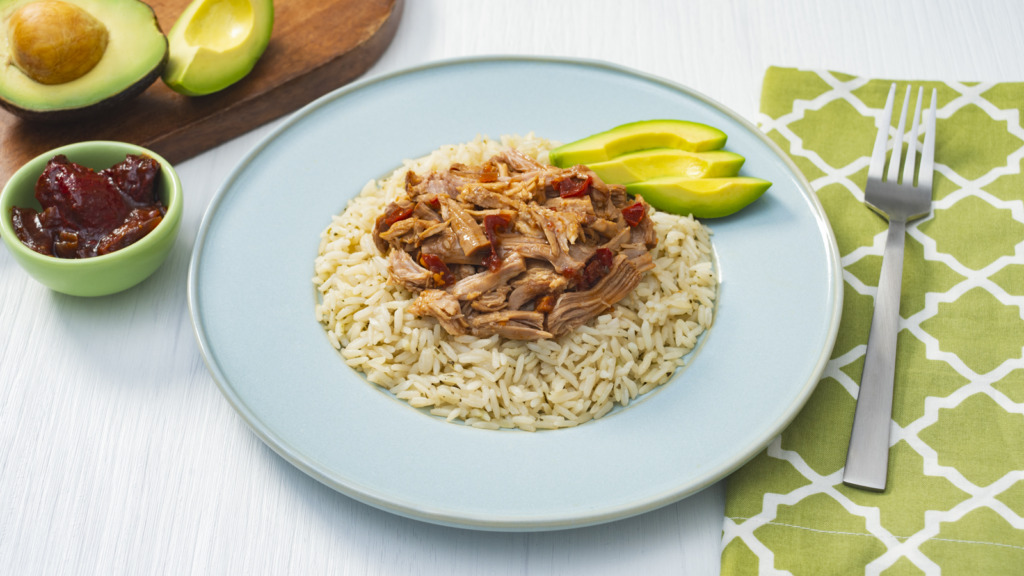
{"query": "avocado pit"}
pixel 54 42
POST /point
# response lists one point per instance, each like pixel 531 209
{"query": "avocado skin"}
pixel 99 108
pixel 662 162
pixel 99 98
pixel 634 136
pixel 701 197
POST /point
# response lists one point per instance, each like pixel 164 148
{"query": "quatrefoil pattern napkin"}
pixel 955 497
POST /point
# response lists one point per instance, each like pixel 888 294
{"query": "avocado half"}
pixel 216 43
pixel 134 58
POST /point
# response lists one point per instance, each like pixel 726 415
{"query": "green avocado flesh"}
pixel 701 197
pixel 134 57
pixel 216 43
pixel 680 134
pixel 661 162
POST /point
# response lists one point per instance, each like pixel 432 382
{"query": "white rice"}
pixel 495 382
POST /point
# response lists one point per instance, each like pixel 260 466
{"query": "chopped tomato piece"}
pixel 596 268
pixel 572 187
pixel 493 223
pixel 438 269
pixel 396 213
pixel 634 213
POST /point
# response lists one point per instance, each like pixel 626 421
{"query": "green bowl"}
pixel 100 275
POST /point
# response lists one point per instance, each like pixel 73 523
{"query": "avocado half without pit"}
pixel 65 59
pixel 216 43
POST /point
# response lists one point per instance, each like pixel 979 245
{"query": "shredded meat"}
pixel 472 287
pixel 469 233
pixel 537 282
pixel 444 307
pixel 406 272
pixel 574 309
pixel 514 247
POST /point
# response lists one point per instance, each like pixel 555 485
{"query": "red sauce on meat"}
pixel 87 213
pixel 492 224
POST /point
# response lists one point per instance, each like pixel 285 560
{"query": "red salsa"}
pixel 87 213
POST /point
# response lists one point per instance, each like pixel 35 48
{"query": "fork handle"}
pixel 868 457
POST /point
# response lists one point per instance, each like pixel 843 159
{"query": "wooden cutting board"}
pixel 316 46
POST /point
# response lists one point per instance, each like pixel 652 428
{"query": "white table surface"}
pixel 119 455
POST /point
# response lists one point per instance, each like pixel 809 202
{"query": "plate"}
pixel 251 299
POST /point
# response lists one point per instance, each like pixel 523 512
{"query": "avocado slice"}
pixel 121 66
pixel 215 43
pixel 661 162
pixel 681 134
pixel 701 197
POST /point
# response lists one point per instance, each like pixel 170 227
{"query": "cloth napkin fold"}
pixel 955 495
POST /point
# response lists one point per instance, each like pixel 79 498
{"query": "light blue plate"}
pixel 252 298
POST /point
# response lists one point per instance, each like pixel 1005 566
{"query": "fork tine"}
pixel 882 138
pixel 897 142
pixel 928 152
pixel 908 162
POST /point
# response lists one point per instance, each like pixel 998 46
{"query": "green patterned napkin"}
pixel 955 496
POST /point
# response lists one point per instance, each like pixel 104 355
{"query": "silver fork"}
pixel 899 201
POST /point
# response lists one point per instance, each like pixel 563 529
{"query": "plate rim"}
pixel 366 494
